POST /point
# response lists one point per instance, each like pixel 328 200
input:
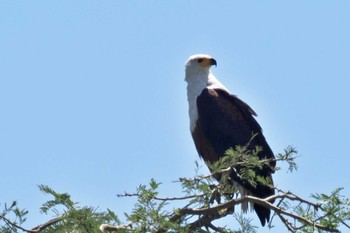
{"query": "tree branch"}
pixel 107 227
pixel 12 224
pixel 209 214
pixel 41 227
pixel 35 229
pixel 163 198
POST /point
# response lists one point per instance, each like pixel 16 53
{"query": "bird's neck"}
pixel 196 82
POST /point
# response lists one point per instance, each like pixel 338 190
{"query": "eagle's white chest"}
pixel 195 85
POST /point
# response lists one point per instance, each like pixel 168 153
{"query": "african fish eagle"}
pixel 219 121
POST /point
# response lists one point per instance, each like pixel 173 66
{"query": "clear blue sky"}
pixel 93 98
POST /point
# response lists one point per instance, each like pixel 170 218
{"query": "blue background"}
pixel 93 98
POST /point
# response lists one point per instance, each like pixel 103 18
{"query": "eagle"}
pixel 220 120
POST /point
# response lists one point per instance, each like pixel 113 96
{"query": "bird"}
pixel 220 120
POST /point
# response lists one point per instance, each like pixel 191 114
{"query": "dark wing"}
pixel 225 121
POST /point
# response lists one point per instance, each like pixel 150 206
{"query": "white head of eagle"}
pixel 219 121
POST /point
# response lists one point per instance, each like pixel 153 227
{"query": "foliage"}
pixel 70 218
pixel 204 200
pixel 18 215
pixel 334 210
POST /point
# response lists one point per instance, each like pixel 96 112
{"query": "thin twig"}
pixel 286 223
pixel 163 198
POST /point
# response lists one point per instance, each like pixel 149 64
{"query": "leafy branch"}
pixel 204 200
pixel 68 216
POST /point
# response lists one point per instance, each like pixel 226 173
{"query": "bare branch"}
pixel 214 211
pixel 46 225
pixel 107 227
pixel 286 223
pixel 163 198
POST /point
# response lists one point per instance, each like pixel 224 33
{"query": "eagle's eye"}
pixel 200 60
